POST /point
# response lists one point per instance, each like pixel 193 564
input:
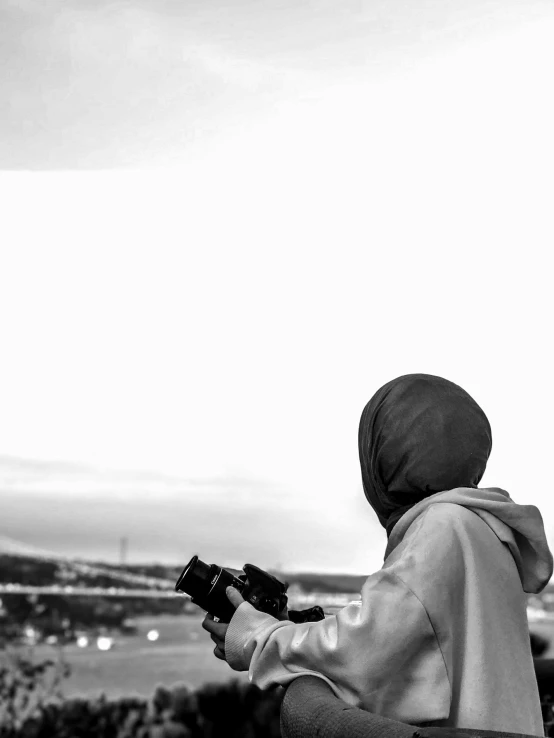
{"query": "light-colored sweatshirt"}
pixel 441 632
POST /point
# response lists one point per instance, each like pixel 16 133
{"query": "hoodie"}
pixel 440 635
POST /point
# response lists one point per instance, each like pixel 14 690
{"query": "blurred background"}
pixel 223 227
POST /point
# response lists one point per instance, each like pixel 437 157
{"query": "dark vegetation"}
pixel 31 706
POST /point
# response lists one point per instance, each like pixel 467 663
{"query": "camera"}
pixel 206 585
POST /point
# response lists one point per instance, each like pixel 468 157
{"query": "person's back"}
pixel 440 635
pixel 475 602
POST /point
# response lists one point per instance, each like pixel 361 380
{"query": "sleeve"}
pixel 382 648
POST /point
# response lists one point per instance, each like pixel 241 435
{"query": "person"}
pixel 440 636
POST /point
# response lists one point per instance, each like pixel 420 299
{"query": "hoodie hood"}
pixel 520 527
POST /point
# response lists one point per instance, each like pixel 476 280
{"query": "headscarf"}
pixel 420 434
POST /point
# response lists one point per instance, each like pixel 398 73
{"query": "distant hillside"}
pixel 309 581
pixel 22 570
pixel 312 582
pixel 34 571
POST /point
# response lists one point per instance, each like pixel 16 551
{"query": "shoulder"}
pixel 443 523
pixel 447 513
pixel 441 533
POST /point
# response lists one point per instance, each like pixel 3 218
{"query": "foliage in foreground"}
pixel 32 706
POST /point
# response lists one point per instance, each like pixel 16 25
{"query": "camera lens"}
pixel 206 586
pixel 195 578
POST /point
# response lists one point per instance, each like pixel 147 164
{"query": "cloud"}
pixel 31 478
pixel 109 84
pixel 115 82
pixel 224 521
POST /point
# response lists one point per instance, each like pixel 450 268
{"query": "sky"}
pixel 225 226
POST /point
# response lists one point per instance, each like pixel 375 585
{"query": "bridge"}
pixel 144 586
pixel 67 590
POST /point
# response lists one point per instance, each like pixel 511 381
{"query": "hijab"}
pixel 420 434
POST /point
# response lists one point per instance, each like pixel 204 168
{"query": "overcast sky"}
pixel 290 206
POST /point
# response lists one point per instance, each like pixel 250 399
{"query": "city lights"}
pixel 104 643
pixel 30 634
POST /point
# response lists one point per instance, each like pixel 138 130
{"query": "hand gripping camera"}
pixel 206 585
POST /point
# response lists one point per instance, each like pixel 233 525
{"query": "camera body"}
pixel 206 585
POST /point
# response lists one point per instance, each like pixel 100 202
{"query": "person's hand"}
pixel 284 614
pixel 218 631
